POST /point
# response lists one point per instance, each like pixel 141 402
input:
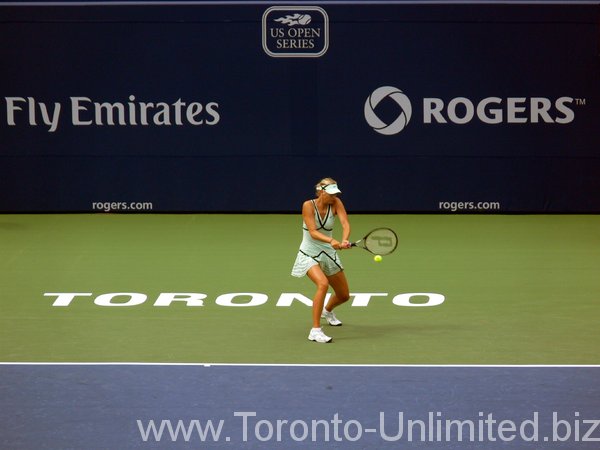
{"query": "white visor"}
pixel 331 189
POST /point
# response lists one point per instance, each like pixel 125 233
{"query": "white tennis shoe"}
pixel 331 319
pixel 317 335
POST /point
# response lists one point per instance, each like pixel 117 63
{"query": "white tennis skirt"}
pixel 330 263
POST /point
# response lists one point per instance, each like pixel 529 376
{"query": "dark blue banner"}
pixel 244 107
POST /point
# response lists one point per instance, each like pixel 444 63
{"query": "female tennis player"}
pixel 317 257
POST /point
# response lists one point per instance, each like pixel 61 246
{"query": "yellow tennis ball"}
pixel 377 258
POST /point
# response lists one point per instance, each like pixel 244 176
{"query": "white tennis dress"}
pixel 314 252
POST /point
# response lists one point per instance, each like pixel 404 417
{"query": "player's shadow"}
pixel 359 331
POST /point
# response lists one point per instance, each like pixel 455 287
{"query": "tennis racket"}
pixel 380 241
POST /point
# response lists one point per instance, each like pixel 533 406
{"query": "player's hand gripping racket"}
pixel 380 241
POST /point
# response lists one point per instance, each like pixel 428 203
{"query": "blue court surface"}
pixel 127 406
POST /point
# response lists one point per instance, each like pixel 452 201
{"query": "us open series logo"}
pixel 295 31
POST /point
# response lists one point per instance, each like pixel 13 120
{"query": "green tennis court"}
pixel 517 289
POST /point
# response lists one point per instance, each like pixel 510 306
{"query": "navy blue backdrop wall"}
pixel 244 107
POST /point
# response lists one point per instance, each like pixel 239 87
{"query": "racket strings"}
pixel 381 242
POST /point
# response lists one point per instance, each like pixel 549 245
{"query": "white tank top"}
pixel 325 224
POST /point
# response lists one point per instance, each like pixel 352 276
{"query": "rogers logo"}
pixel 462 110
pixel 400 122
pixel 496 110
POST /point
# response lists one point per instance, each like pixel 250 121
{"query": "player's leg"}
pixel 339 283
pixel 341 294
pixel 316 275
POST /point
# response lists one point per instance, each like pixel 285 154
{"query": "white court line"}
pixel 30 363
